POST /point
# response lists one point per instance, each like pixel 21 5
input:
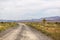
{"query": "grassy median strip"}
pixel 50 29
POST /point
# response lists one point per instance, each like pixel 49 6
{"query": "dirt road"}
pixel 23 32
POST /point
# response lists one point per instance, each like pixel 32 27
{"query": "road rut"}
pixel 23 32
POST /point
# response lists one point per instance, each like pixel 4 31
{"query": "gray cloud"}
pixel 16 9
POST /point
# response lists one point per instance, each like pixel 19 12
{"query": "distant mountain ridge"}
pixel 7 20
pixel 53 18
pixel 50 19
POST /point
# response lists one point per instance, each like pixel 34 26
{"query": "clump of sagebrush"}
pixel 51 29
pixel 7 25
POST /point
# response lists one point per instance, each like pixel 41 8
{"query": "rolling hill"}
pixel 50 19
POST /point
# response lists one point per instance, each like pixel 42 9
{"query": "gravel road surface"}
pixel 23 32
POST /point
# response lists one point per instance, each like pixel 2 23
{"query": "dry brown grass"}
pixel 51 29
pixel 6 25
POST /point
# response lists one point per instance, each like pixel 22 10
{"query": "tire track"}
pixel 24 32
pixel 19 36
pixel 12 35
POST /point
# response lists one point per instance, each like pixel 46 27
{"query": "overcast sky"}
pixel 28 9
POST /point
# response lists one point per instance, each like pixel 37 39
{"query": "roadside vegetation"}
pixel 6 25
pixel 51 29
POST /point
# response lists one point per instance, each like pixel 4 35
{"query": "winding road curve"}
pixel 23 32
